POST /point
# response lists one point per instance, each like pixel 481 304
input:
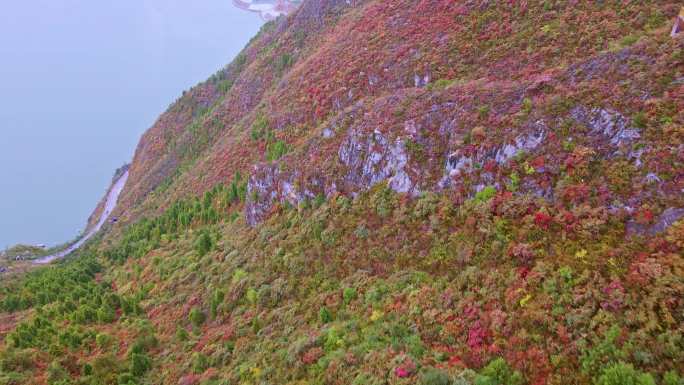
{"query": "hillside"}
pixel 392 192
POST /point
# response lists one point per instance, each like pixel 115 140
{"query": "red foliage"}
pixel 312 355
pixel 455 361
pixel 576 193
pixel 406 369
pixel 615 296
pixel 190 379
pixel 542 219
pixel 538 163
pixel 644 216
pixel 401 372
pixel 477 335
pixel 522 252
pixel 644 269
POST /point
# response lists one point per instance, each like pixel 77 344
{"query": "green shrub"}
pixel 497 372
pixel 319 201
pixel 441 84
pixel 239 275
pixel 139 364
pixel 324 315
pixel 348 294
pixel 126 379
pixel 526 106
pixel 432 376
pixel 483 111
pixel 623 374
pixel 603 353
pixel 204 243
pixel 415 149
pixel 143 343
pixel 332 339
pixel 15 360
pixel 639 120
pixel 103 341
pixel 260 127
pixel 105 368
pixel 237 189
pixel 284 62
pixel 384 200
pixel 367 379
pixel 275 151
pixel 105 314
pixel 12 378
pixel 216 300
pixel 265 296
pixel 252 295
pixel 256 325
pixel 197 317
pixel 200 362
pixel 485 194
pixel 225 86
pixel 513 185
pixel 56 374
pixel 361 232
pixel 130 306
pixel 629 40
pixel 375 294
pixel 182 334
pixel 672 378
pixel 84 314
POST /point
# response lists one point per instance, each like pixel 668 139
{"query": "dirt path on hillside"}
pixel 110 204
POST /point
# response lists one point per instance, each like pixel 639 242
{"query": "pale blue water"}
pixel 80 81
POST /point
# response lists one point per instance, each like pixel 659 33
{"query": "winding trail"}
pixel 110 204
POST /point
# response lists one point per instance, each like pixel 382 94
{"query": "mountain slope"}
pixel 294 85
pixel 401 192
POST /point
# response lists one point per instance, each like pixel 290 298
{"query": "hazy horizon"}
pixel 82 81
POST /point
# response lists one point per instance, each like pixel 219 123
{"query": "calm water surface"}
pixel 80 81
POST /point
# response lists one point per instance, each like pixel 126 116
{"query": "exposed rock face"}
pixel 421 80
pixel 367 156
pixel 367 159
pixel 464 160
pixel 261 192
pixel 678 26
pixel 612 131
pixel 269 184
pixel 612 125
pixel 373 158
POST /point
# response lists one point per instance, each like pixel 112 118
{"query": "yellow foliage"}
pixel 581 255
pixel 256 372
pixel 525 300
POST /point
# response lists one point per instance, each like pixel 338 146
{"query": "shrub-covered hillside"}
pixel 374 290
pixel 392 192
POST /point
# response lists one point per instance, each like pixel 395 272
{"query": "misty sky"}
pixel 80 81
